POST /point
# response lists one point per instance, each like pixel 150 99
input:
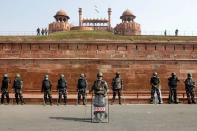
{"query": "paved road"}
pixel 122 118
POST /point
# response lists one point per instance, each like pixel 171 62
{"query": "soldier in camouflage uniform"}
pixel 117 86
pixel 100 86
pixel 62 89
pixel 4 88
pixel 17 86
pixel 82 86
pixel 172 83
pixel 189 88
pixel 155 83
pixel 100 89
pixel 46 88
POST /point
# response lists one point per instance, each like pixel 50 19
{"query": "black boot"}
pixel 120 102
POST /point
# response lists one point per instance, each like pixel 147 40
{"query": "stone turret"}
pixel 61 23
pixel 128 25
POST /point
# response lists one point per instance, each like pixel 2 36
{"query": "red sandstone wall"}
pixel 135 61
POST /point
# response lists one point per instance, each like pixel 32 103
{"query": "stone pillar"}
pixel 80 16
pixel 109 18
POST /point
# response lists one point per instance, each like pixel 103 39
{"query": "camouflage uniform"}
pixel 62 89
pixel 82 86
pixel 100 86
pixel 172 83
pixel 4 89
pixel 17 86
pixel 155 83
pixel 117 86
pixel 46 88
pixel 189 88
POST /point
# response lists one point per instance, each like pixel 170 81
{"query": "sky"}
pixel 154 15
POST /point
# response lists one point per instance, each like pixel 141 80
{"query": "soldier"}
pixel 176 32
pixel 165 33
pixel 17 86
pixel 100 89
pixel 155 83
pixel 172 83
pixel 46 88
pixel 4 88
pixel 62 89
pixel 82 85
pixel 117 86
pixel 42 31
pixel 38 31
pixel 46 31
pixel 189 88
pixel 100 86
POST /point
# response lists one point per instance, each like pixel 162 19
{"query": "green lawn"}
pixel 94 35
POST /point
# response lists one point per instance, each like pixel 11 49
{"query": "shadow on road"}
pixel 72 119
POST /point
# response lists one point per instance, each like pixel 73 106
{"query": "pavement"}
pixel 140 117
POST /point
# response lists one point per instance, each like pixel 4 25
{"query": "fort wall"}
pixel 134 60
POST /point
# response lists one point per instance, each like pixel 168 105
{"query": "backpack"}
pixel 81 83
pixel 117 83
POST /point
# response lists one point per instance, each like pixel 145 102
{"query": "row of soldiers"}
pixel 100 86
pixel 172 83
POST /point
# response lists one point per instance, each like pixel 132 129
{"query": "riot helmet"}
pixel 100 74
pixel 189 75
pixel 18 75
pixel 61 76
pixel 46 77
pixel 82 75
pixel 5 75
pixel 155 74
pixel 117 74
pixel 173 74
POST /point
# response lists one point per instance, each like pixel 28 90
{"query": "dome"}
pixel 127 13
pixel 61 13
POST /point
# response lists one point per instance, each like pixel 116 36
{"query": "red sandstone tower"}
pixel 61 23
pixel 128 25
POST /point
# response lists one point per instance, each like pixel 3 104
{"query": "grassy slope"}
pixel 92 35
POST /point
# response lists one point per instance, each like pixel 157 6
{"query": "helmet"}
pixel 61 75
pixel 189 74
pixel 100 74
pixel 46 76
pixel 173 74
pixel 155 74
pixel 5 75
pixel 18 75
pixel 117 73
pixel 82 75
